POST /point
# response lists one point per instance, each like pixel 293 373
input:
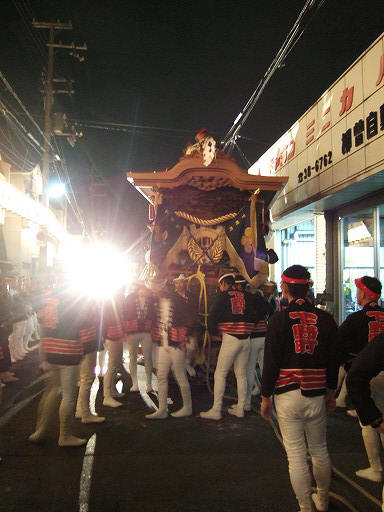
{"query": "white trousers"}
pixel 172 358
pixel 256 355
pixel 232 352
pixel 115 356
pixel 371 438
pixel 62 379
pixel 304 418
pixel 16 340
pixel 87 376
pixel 134 341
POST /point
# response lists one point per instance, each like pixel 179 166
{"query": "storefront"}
pixel 334 158
pixel 27 229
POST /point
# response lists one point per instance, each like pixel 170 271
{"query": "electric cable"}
pixel 305 16
pixel 10 89
pixel 12 119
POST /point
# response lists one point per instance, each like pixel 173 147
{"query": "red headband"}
pixel 293 280
pixel 369 293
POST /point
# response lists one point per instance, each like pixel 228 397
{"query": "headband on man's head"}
pixel 293 280
pixel 228 274
pixel 369 293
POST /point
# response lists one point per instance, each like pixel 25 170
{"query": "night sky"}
pixel 175 67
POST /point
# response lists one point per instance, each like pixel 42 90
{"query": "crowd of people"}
pixel 297 348
pixel 19 333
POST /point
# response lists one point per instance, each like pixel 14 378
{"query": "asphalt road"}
pixel 173 465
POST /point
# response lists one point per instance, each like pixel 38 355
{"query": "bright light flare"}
pixel 99 270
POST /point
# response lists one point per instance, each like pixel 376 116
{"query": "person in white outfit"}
pixel 355 333
pixel 262 310
pixel 114 338
pixel 300 367
pixel 230 314
pixel 138 317
pixel 365 387
pixel 191 307
pixel 171 334
pixel 68 324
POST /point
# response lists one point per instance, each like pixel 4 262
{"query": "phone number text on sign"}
pixel 320 163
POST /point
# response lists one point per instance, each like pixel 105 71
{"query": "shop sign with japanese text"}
pixel 339 138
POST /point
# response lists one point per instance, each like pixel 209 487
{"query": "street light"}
pixel 56 190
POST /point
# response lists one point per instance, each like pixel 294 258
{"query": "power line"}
pixel 19 127
pixel 309 10
pixel 10 89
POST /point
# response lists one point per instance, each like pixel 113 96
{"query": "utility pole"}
pixel 49 90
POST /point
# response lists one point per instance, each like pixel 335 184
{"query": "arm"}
pixel 346 336
pixel 366 365
pixel 214 313
pixel 273 354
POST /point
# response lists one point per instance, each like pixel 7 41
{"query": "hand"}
pixel 330 401
pixel 380 428
pixel 45 366
pixel 266 408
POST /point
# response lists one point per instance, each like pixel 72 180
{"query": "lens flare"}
pixel 99 270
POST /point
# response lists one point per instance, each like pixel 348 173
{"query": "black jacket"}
pixel 368 363
pixel 232 312
pixel 359 328
pixel 301 351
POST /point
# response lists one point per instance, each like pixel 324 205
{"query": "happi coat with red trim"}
pixel 301 351
pixel 360 328
pixel 71 325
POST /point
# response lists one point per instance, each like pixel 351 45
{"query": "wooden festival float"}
pixel 210 217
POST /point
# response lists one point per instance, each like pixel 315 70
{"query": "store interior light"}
pixel 358 232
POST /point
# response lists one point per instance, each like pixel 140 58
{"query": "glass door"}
pixel 358 255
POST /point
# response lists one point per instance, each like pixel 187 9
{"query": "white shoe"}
pixel 182 413
pixel 212 414
pixel 111 402
pixel 370 474
pixel 71 441
pixel 160 414
pixel 235 411
pixel 93 418
pixel 321 504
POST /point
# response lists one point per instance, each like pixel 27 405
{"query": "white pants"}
pixel 371 438
pixel 191 351
pixel 304 418
pixel 87 376
pixel 29 330
pixel 115 356
pixel 256 355
pixel 172 358
pixel 62 379
pixel 232 352
pixel 145 340
pixel 16 340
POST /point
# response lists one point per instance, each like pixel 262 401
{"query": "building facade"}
pixel 330 215
pixel 31 235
